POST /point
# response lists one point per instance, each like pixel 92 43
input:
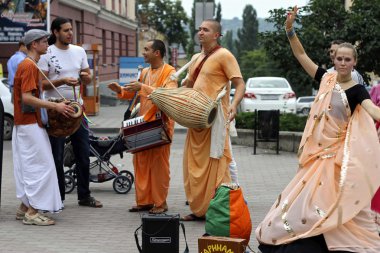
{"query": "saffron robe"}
pixel 202 174
pixel 151 167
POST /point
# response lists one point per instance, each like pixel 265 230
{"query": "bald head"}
pixel 215 25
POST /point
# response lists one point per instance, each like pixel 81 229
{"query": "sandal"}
pixel 192 217
pixel 158 210
pixel 140 208
pixel 38 220
pixel 90 202
pixel 20 214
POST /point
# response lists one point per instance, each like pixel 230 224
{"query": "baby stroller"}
pixel 101 168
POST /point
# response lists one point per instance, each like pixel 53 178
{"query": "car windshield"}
pixel 271 83
pixel 5 82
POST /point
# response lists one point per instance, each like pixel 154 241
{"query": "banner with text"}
pixel 129 69
pixel 19 16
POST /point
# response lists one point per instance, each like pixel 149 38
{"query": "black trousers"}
pixel 81 146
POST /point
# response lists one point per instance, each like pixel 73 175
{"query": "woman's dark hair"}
pixel 56 26
pixel 160 46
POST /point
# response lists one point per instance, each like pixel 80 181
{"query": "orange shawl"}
pixel 159 79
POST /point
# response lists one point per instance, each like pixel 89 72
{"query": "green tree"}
pixel 167 17
pixel 227 41
pixel 218 15
pixel 364 30
pixel 317 25
pixel 256 63
pixel 247 35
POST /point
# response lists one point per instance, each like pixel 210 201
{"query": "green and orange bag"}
pixel 228 214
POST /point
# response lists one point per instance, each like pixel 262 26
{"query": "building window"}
pixel 120 44
pixel 126 45
pixel 104 47
pixel 78 32
pixel 113 46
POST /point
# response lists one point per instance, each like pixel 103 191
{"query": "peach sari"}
pixel 338 175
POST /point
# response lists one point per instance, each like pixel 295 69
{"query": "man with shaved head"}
pixel 203 169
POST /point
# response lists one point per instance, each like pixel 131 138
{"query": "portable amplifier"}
pixel 160 233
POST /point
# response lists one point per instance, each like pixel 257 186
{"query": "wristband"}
pixel 290 32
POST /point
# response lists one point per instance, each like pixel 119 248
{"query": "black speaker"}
pixel 160 233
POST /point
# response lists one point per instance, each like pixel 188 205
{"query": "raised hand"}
pixel 290 17
pixel 114 87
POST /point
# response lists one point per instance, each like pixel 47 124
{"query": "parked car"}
pixel 304 104
pixel 5 96
pixel 268 93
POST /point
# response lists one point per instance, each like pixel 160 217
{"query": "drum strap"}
pixel 200 65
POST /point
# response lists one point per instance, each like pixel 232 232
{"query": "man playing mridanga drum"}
pixel 151 166
pixel 210 73
pixel 34 169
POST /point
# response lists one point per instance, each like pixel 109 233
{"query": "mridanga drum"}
pixel 188 107
pixel 61 126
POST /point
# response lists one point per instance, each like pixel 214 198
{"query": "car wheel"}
pixel 8 127
pixel 305 111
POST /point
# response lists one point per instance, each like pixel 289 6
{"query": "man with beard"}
pixel 66 66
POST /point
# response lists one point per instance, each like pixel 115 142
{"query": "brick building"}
pixel 110 23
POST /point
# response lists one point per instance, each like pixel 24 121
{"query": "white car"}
pixel 5 96
pixel 268 93
pixel 304 104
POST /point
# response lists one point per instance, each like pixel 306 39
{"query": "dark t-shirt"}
pixel 355 95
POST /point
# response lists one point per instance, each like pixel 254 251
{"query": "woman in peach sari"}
pixel 326 207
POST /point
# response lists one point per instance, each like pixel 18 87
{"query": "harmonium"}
pixel 139 135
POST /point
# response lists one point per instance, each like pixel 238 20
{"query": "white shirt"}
pixel 61 63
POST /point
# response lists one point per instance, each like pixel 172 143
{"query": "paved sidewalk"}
pixel 111 228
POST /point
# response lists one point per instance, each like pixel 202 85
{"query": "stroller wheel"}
pixel 69 183
pixel 128 174
pixel 122 184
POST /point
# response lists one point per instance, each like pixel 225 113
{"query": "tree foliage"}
pixel 167 17
pixel 227 41
pixel 318 23
pixel 218 15
pixel 247 35
pixel 257 63
pixel 364 30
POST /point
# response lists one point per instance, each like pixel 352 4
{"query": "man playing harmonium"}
pixel 151 166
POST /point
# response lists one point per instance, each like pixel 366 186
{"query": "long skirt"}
pixel 34 169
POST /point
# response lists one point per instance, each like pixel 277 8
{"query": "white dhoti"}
pixel 34 168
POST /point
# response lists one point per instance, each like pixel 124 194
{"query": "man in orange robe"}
pixel 203 174
pixel 151 166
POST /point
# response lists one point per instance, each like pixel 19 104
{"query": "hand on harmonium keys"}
pixel 114 87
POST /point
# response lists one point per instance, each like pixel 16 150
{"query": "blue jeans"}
pixel 81 146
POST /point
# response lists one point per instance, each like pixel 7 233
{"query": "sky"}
pixel 234 8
